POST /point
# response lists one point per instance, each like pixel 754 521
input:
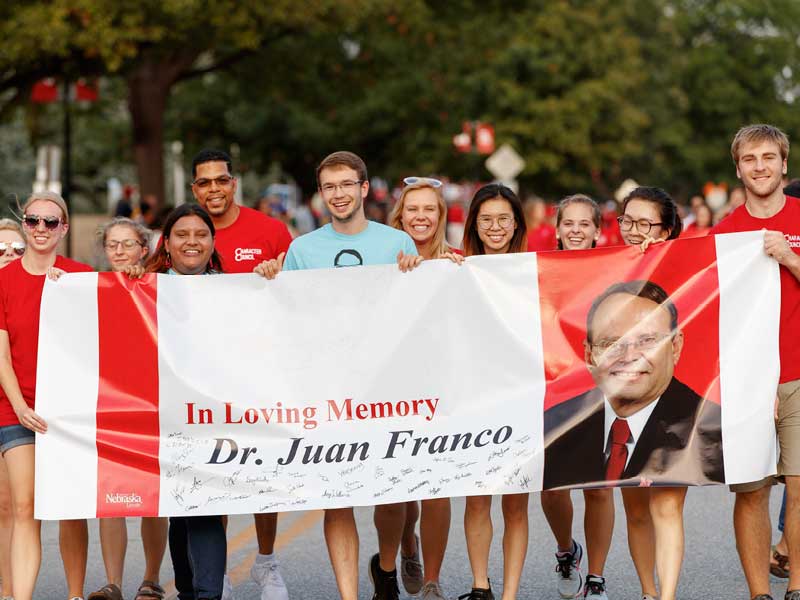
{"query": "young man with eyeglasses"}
pixel 244 239
pixel 760 153
pixel 352 240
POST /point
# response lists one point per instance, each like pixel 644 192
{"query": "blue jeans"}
pixel 198 549
pixel 12 436
pixel 782 517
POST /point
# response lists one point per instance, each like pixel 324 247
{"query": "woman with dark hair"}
pixel 197 545
pixel 649 215
pixel 654 515
pixel 187 244
pixel 495 224
pixel 578 223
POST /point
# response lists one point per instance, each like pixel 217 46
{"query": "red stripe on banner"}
pixel 128 473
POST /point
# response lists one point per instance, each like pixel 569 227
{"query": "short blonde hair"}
pixel 438 243
pixel 9 225
pixel 48 196
pixel 759 133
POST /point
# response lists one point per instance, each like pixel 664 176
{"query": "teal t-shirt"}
pixel 325 248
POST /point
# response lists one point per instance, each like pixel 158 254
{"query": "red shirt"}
pixel 20 299
pixel 253 237
pixel 693 231
pixel 542 238
pixel 787 221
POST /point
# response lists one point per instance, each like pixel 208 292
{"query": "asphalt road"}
pixel 710 571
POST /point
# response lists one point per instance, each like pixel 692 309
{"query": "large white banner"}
pixel 346 387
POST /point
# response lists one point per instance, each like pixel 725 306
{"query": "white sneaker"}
pixel 595 588
pixel 568 571
pixel 268 577
pixel 432 591
pixel 227 588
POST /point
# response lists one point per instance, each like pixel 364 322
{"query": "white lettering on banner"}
pixel 242 254
pixel 794 240
pixel 129 499
pixel 345 387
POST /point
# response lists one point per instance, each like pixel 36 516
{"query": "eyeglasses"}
pixel 32 222
pixel 221 181
pixel 345 186
pixel 126 244
pixel 642 225
pixel 17 247
pixel 612 350
pixel 434 183
pixel 504 221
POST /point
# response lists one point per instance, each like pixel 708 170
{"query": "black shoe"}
pixel 385 583
pixel 762 597
pixel 792 595
pixel 478 594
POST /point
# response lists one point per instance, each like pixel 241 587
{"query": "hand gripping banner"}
pixel 177 395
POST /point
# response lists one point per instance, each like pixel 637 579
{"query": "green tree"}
pixel 152 45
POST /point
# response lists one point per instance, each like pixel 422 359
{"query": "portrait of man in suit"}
pixel 639 425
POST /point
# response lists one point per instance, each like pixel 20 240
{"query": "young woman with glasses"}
pixel 495 224
pixel 578 223
pixel 126 244
pixel 45 222
pixel 654 515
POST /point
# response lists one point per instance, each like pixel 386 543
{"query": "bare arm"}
pixel 8 380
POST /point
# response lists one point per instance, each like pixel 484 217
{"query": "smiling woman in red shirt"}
pixel 46 222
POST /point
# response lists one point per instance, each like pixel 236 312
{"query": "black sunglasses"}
pixel 32 222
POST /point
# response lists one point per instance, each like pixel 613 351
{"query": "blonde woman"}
pixel 46 222
pixel 422 213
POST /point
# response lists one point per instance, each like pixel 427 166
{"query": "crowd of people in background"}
pixel 215 235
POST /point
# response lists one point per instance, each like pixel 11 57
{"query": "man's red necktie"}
pixel 620 434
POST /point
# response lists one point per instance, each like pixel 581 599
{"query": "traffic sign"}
pixel 505 164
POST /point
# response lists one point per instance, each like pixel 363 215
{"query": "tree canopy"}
pixel 589 92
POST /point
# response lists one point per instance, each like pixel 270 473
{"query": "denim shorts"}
pixel 12 436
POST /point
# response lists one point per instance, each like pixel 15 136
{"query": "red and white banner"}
pixel 346 387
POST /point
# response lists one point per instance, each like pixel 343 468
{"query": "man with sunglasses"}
pixel 244 239
pixel 245 236
pixel 638 424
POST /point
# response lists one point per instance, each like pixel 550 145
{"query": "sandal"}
pixel 779 564
pixel 109 591
pixel 150 590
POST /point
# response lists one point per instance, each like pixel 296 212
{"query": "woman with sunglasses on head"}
pixel 495 224
pixel 12 242
pixel 654 514
pixel 578 223
pixel 422 213
pixel 12 247
pixel 126 244
pixel 45 222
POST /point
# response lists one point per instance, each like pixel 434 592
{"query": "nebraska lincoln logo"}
pixel 241 254
pixel 127 499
